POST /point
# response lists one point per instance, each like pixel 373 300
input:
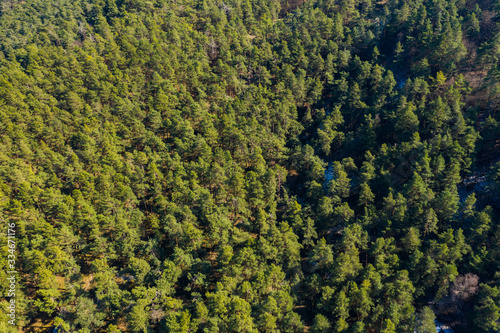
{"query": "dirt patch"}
pixel 87 281
pixel 38 325
pixel 475 78
pixel 212 256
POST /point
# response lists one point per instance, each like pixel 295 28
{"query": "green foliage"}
pixel 217 167
pixel 425 321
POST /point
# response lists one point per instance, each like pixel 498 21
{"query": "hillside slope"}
pixel 250 166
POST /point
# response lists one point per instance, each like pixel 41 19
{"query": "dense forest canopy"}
pixel 251 165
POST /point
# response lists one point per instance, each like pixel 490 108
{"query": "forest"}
pixel 275 166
